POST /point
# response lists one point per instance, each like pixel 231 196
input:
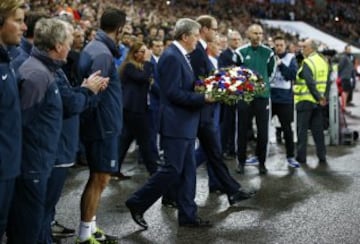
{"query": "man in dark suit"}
pixel 179 120
pixel 229 58
pixel 157 46
pixel 208 128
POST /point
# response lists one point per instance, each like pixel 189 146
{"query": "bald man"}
pixel 259 58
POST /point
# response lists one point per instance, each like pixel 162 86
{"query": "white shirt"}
pixel 183 51
pixel 203 43
pixel 214 61
pixel 156 58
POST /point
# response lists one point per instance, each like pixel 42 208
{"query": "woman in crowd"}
pixel 136 77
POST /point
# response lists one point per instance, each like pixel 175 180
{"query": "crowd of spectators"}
pixel 333 16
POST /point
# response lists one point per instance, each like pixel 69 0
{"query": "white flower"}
pixel 232 88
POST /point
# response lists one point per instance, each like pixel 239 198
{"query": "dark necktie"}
pixel 236 58
pixel 188 59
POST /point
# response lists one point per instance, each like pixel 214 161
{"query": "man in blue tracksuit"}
pixel 10 115
pixel 41 108
pixel 102 125
pixel 75 101
pixel 21 53
pixel 24 49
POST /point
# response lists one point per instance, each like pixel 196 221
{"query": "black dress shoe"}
pixel 240 169
pixel 120 176
pixel 240 196
pixel 228 156
pixel 168 203
pixel 137 216
pixel 198 223
pixel 217 190
pixel 262 170
pixel 323 161
pixel 300 161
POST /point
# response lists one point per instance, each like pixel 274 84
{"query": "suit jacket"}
pixel 135 87
pixel 154 88
pixel 202 67
pixel 226 59
pixel 179 104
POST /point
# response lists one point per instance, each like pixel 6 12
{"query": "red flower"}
pixel 240 88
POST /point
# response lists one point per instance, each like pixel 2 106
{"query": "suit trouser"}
pixel 180 169
pixel 154 124
pixel 27 210
pixel 6 194
pixel 201 156
pixel 209 139
pixel 285 113
pixel 136 127
pixel 55 186
pixel 228 125
pixel 259 108
pixel 310 118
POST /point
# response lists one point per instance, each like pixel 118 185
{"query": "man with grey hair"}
pixel 229 58
pixel 180 114
pixel 42 112
pixel 311 90
pixel 75 101
pixel 12 27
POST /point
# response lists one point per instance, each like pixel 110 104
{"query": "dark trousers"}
pixel 180 169
pixel 228 124
pixel 285 113
pixel 310 116
pixel 201 157
pixel 136 128
pixel 154 123
pixel 27 210
pixel 208 135
pixel 6 194
pixel 56 183
pixel 259 108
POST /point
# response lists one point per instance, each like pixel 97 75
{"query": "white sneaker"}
pixel 252 160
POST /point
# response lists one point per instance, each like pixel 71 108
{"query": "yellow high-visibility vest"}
pixel 320 70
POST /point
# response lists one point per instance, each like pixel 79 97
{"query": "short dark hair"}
pixel 30 20
pixel 151 41
pixel 112 19
pixel 279 37
pixel 205 20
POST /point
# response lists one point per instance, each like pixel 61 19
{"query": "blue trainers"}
pixel 293 163
pixel 252 160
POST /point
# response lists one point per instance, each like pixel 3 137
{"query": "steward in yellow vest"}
pixel 310 92
pixel 320 70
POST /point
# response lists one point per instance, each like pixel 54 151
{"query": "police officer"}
pixel 310 92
